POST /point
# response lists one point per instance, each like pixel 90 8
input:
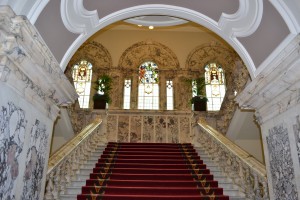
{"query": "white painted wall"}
pixel 62 132
pixel 245 132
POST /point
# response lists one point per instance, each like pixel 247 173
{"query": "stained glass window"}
pixel 127 91
pixel 215 86
pixel 169 90
pixel 82 75
pixel 148 91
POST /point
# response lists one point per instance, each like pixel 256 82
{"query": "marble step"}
pixel 72 191
pixel 68 196
pixel 229 188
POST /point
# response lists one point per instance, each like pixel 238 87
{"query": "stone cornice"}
pixel 277 88
pixel 28 66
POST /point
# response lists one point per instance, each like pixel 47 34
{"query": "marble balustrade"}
pixel 64 164
pixel 169 127
pixel 245 171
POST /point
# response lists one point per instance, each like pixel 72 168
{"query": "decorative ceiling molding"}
pixel 30 9
pixel 289 10
pixel 160 9
pixel 76 18
pixel 245 21
pixel 36 10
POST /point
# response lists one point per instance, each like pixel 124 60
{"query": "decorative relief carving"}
pixel 281 164
pixel 35 161
pixel 123 129
pixel 135 129
pixel 213 52
pixel 112 128
pixel 93 52
pixel 148 128
pixel 124 126
pixel 149 50
pixel 12 134
pixel 296 128
pixel 184 129
pixel 172 129
pixel 160 129
pixel 116 92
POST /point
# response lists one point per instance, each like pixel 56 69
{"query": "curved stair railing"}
pixel 245 171
pixel 65 163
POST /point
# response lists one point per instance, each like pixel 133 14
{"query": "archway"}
pixel 180 12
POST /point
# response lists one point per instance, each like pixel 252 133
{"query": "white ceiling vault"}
pixel 257 29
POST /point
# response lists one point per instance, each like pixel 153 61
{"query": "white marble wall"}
pixel 281 139
pixel 29 100
pixel 275 96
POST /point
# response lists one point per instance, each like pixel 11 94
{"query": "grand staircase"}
pixel 150 171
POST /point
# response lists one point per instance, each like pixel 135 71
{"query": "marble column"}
pixel 275 96
pixel 32 88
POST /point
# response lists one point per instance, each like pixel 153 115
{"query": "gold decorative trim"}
pixel 65 150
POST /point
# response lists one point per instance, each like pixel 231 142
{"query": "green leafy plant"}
pixel 103 87
pixel 199 90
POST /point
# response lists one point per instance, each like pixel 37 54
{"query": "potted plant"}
pixel 200 100
pixel 102 87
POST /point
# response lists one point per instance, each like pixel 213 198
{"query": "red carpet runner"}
pixel 150 171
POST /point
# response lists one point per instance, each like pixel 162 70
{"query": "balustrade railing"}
pixel 245 171
pixel 65 163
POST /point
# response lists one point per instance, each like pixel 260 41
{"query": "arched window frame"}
pixel 215 86
pixel 82 76
pixel 148 87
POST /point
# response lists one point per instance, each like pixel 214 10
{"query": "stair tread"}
pixel 151 170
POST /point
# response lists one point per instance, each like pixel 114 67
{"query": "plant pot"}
pixel 200 106
pixel 99 104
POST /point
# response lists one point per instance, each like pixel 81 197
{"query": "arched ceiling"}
pixel 258 30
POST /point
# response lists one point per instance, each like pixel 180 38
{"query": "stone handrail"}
pixel 245 171
pixel 65 163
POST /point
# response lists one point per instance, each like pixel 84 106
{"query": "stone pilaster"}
pixel 275 95
pixel 32 88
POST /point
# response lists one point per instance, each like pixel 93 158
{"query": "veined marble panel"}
pixel 12 134
pixel 160 129
pixel 123 129
pixel 156 127
pixel 172 129
pixel 296 128
pixel 135 129
pixel 111 128
pixel 281 164
pixel 148 128
pixel 35 161
pixel 184 127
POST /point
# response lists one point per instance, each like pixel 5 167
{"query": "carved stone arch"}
pixel 212 52
pixel 93 52
pixel 143 51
